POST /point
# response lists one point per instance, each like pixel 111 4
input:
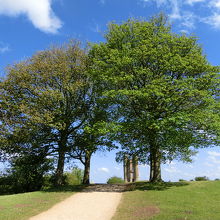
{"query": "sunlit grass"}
pixel 171 201
pixel 24 205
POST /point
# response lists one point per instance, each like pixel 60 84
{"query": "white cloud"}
pixel 215 4
pixel 4 48
pixel 188 20
pixel 214 19
pixel 214 153
pixel 208 164
pixel 104 169
pixel 191 2
pixel 39 12
pixel 184 15
pixel 175 10
pixel 212 158
pixel 102 1
pixel 172 170
pixel 95 28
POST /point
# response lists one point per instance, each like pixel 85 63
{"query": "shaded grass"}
pixel 24 205
pixel 171 201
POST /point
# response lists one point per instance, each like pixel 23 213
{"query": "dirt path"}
pixel 83 206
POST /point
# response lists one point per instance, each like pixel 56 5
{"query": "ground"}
pixel 84 206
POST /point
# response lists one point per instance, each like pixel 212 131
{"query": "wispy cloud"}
pixel 102 1
pixel 4 48
pixel 192 2
pixel 214 19
pixel 39 12
pixel 95 27
pixel 182 12
pixel 103 169
pixel 175 14
pixel 214 157
pixel 172 169
pixel 214 153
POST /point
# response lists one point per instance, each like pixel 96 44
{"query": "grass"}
pixel 171 201
pixel 23 206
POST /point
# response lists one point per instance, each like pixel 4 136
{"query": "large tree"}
pixel 96 134
pixel 50 89
pixel 163 87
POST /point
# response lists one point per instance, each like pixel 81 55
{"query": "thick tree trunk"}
pixel 59 180
pixel 86 176
pixel 155 162
pixel 60 168
pixel 151 167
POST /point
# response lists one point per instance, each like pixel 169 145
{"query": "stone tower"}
pixel 131 173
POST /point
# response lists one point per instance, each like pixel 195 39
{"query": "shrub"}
pixel 181 180
pixel 6 184
pixel 115 180
pixel 27 172
pixel 74 177
pixel 201 178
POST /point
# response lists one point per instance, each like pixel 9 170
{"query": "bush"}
pixel 27 172
pixel 201 178
pixel 115 180
pixel 6 184
pixel 74 177
pixel 181 180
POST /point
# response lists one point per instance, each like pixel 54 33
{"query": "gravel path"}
pixel 83 206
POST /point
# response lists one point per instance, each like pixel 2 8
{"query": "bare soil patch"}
pixel 1 207
pixel 21 205
pixel 147 211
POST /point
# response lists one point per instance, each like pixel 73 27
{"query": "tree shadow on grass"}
pixel 155 186
pixel 68 188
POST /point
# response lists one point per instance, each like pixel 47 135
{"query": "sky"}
pixel 28 26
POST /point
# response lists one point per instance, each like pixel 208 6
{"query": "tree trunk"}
pixel 155 162
pixel 59 180
pixel 86 175
pixel 151 167
pixel 60 168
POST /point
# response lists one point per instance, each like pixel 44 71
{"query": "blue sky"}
pixel 28 26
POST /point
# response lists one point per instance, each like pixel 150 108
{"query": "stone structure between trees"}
pixel 131 173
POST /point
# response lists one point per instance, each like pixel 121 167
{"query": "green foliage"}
pixel 26 174
pixel 163 89
pixel 50 90
pixel 182 180
pixel 115 180
pixel 201 178
pixel 74 177
pixel 29 171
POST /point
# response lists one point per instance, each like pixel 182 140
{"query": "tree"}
pixel 96 134
pixel 163 87
pixel 50 89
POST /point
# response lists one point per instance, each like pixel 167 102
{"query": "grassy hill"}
pixel 171 201
pixel 24 205
pixel 166 201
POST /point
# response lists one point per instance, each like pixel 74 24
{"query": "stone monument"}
pixel 131 173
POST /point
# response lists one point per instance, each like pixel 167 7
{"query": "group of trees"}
pixel 151 90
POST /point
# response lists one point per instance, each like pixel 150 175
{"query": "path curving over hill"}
pixel 83 206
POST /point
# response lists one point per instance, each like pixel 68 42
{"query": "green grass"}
pixel 171 201
pixel 24 205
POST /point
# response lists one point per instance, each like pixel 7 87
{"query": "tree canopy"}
pixel 165 90
pixel 149 89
